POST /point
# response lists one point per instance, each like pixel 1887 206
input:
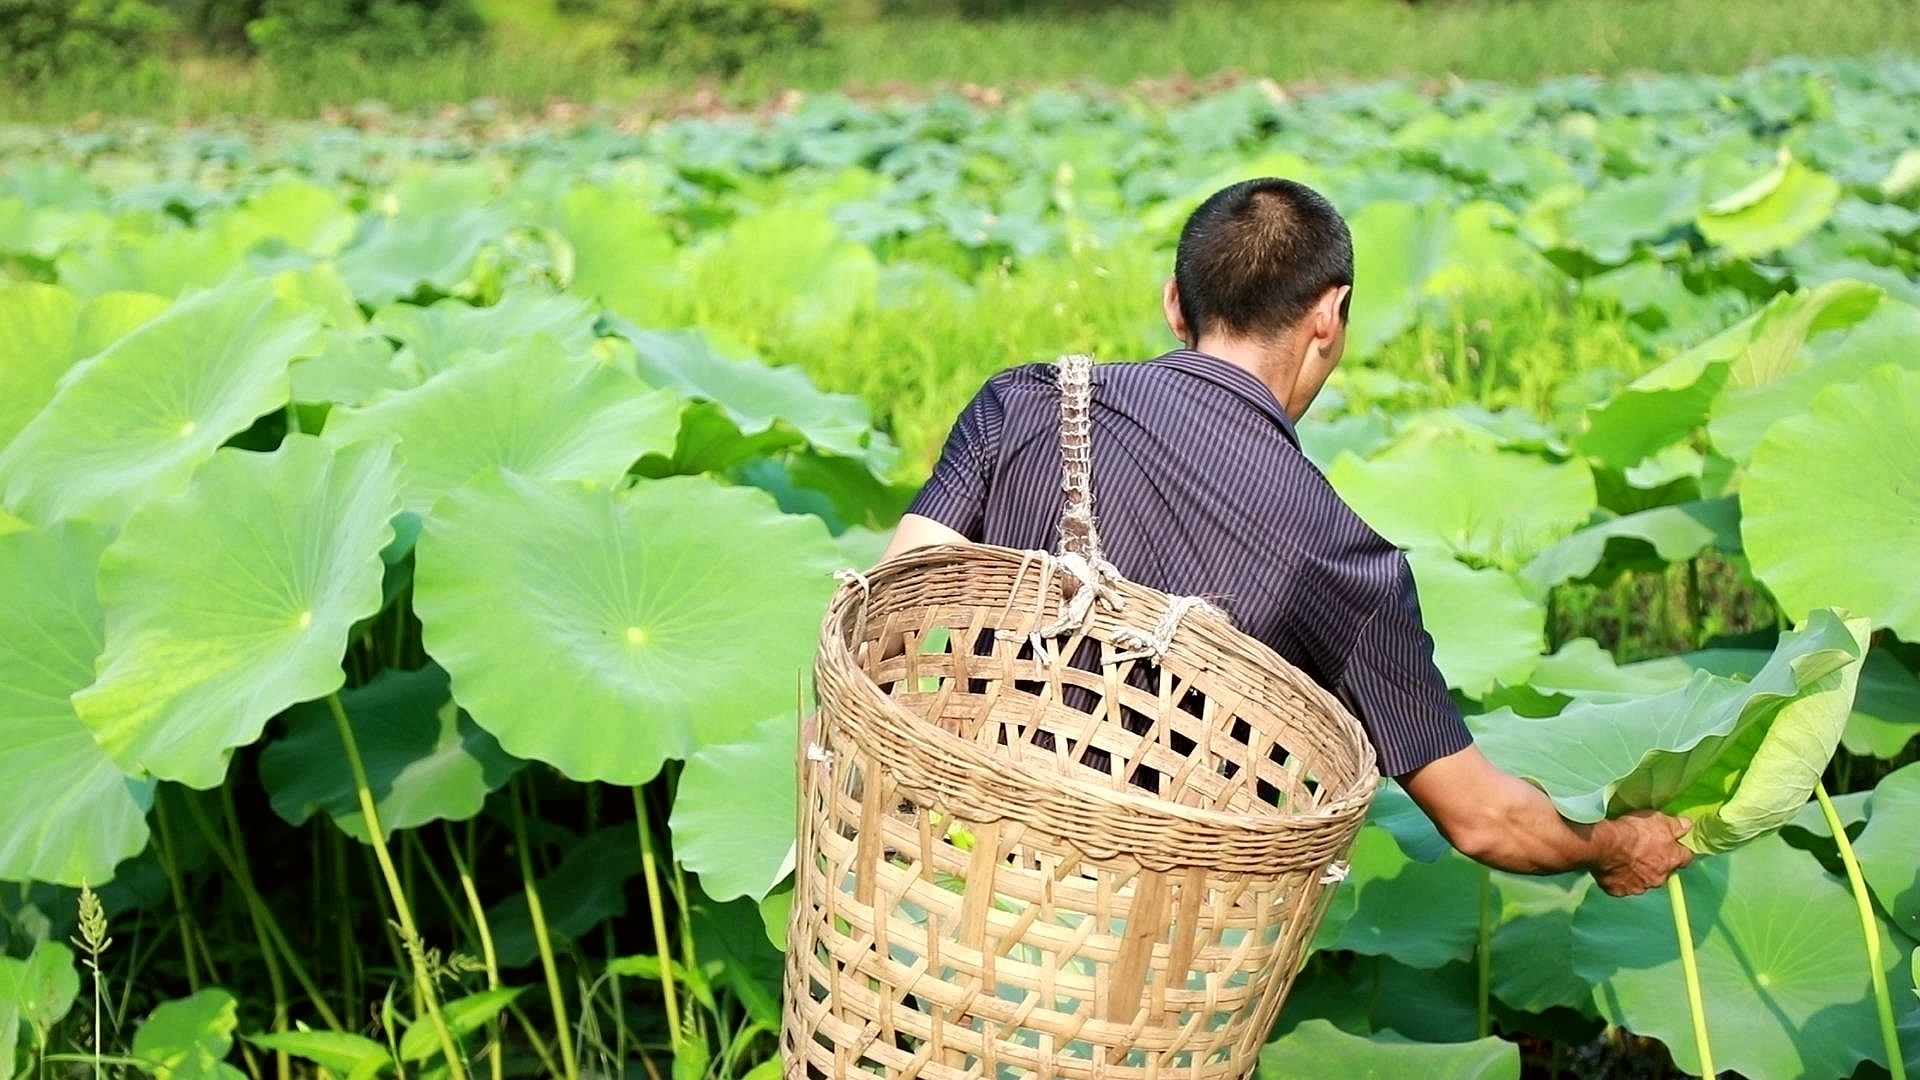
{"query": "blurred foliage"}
pixel 289 30
pixel 719 36
pixel 39 38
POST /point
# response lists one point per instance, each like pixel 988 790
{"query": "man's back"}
pixel 1200 488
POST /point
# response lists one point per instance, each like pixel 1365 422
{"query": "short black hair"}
pixel 1255 256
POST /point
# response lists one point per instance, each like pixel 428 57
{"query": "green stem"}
pixel 1684 927
pixel 563 1030
pixel 243 871
pixel 370 816
pixel 485 933
pixel 456 910
pixel 179 891
pixel 1882 1000
pixel 649 866
pixel 235 862
pixel 1483 956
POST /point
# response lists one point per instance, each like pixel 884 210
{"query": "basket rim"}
pixel 919 736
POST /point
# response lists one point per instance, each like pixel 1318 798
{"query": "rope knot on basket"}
pixel 1039 840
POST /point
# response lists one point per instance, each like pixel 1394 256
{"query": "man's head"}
pixel 1266 266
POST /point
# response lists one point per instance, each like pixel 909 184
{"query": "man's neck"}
pixel 1275 363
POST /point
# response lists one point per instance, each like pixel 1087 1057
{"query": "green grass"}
pixel 539 56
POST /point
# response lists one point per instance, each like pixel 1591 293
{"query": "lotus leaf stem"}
pixel 649 866
pixel 556 994
pixel 370 817
pixel 485 933
pixel 1882 998
pixel 1684 927
pixel 179 891
pixel 1483 956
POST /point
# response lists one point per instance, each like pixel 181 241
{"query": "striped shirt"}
pixel 1200 488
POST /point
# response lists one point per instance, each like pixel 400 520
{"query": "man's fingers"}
pixel 1681 826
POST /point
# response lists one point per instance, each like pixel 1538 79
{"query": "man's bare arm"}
pixel 1506 823
pixel 915 531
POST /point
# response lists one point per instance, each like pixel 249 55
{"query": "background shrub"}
pixel 39 38
pixel 293 31
pixel 718 36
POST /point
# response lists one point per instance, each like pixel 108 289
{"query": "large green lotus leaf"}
pixel 623 252
pixel 321 285
pixel 587 888
pixel 1889 848
pixel 39 990
pixel 1886 708
pixel 1459 497
pixel 789 268
pixel 433 337
pixel 1774 377
pixel 1400 244
pixel 305 216
pixel 1533 943
pixel 1674 533
pixel 133 422
pixel 234 599
pixel 1759 788
pixel 1420 913
pixel 1613 217
pixel 529 408
pixel 190 1039
pixel 44 331
pixel 434 249
pixel 1485 627
pixel 605 632
pixel 1831 503
pixel 739 847
pixel 755 395
pixel 1395 811
pixel 1601 759
pixel 37 327
pixel 1675 399
pixel 348 370
pixel 425 759
pixel 1783 970
pixel 71 814
pixel 1316 1049
pixel 1773 212
pixel 168 260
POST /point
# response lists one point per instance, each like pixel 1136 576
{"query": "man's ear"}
pixel 1327 318
pixel 1176 318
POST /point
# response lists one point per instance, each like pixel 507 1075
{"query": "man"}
pixel 1204 491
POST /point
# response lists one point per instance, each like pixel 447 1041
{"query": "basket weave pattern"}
pixel 1032 855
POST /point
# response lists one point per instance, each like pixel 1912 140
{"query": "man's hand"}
pixel 1639 850
pixel 915 531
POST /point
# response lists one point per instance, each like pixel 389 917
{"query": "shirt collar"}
pixel 1234 378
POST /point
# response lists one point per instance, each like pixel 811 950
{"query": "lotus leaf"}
pixel 435 249
pixel 38 991
pixel 604 632
pixel 623 253
pixel 1317 1049
pixel 739 847
pixel 1695 749
pixel 1675 533
pixel 528 408
pixel 71 814
pixel 1773 212
pixel 134 421
pixel 1886 848
pixel 1485 627
pixel 189 1039
pixel 1782 967
pixel 1460 498
pixel 1533 943
pixel 1832 502
pixel 1420 913
pixel 435 337
pixel 425 760
pixel 232 600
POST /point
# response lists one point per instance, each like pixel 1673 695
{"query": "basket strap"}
pixel 1078 535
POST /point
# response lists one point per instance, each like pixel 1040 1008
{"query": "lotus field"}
pixel 414 533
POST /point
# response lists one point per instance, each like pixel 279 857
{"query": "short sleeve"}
pixel 1391 684
pixel 956 494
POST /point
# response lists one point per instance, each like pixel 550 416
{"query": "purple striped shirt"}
pixel 1200 488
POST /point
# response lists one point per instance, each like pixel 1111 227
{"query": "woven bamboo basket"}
pixel 1054 823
